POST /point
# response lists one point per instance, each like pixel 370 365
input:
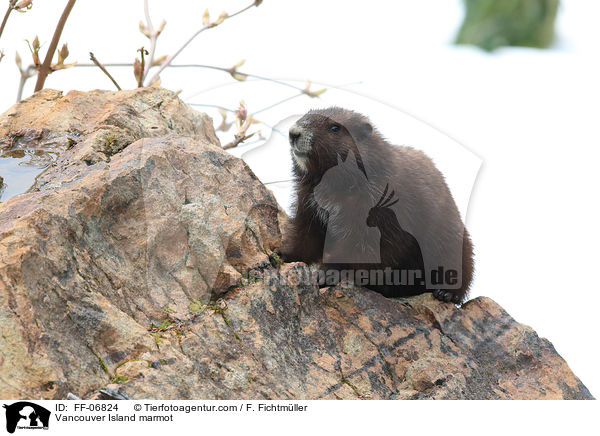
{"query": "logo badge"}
pixel 26 415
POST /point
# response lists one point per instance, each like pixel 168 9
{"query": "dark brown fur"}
pixel 410 203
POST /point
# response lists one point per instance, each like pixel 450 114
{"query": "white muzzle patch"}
pixel 301 145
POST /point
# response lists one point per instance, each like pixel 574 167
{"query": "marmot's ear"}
pixel 364 130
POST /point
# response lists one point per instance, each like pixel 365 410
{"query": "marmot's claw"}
pixel 446 296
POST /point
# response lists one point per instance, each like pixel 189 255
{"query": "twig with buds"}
pixel 243 120
pixel 139 67
pixel 242 123
pixel 225 126
pixel 207 24
pixel 11 6
pixel 143 64
pixel 34 68
pixel 46 67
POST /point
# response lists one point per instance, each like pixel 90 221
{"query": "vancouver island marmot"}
pixel 382 212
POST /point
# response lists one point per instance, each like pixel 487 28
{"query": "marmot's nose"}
pixel 295 133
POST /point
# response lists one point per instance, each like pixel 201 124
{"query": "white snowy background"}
pixel 520 126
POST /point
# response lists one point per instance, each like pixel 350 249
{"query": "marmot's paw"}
pixel 285 254
pixel 446 296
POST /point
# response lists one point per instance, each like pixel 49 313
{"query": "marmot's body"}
pixel 363 204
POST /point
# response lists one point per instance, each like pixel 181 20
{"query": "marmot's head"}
pixel 322 136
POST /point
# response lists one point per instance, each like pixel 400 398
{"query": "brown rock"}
pixel 111 265
pixel 98 252
pixel 289 340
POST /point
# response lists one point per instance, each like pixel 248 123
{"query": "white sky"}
pixel 530 116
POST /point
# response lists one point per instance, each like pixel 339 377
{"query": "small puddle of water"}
pixel 20 168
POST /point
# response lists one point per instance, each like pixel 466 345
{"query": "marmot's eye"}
pixel 334 128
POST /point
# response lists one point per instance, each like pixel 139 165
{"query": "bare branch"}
pixel 215 106
pixel 124 64
pixel 45 67
pixel 278 181
pixel 26 73
pixel 232 71
pixel 212 67
pixel 206 26
pixel 238 139
pixel 96 62
pixel 11 6
pixel 255 3
pixel 271 106
pixel 152 35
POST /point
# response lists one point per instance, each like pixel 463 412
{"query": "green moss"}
pixel 226 320
pixel 110 139
pixel 158 330
pixel 157 340
pixel 275 260
pixel 164 326
pixel 119 379
pixel 195 306
pixel 123 363
pixel 103 364
pixel 347 382
pixel 113 377
pixel 217 307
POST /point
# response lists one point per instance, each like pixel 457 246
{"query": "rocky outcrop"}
pixel 141 265
pixel 289 340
